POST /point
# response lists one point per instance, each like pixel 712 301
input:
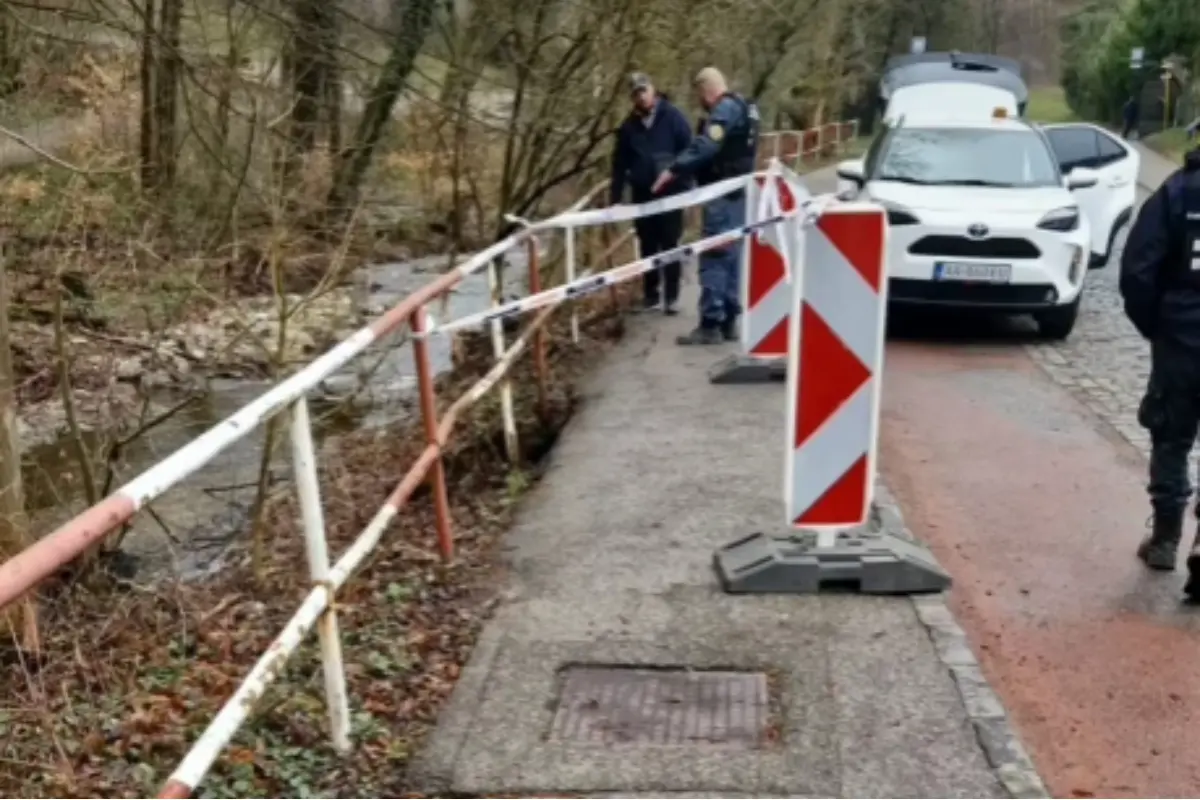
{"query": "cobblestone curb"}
pixel 1107 398
pixel 1001 746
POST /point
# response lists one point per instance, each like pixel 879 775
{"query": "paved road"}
pixel 1022 465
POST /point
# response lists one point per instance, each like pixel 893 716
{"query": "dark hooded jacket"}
pixel 641 152
pixel 1159 282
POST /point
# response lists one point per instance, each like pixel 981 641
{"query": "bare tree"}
pixel 315 77
pixel 14 523
pixel 411 29
pixel 161 68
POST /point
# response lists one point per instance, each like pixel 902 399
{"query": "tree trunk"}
pixel 10 58
pixel 14 524
pixel 415 20
pixel 308 79
pixel 332 82
pixel 170 68
pixel 148 146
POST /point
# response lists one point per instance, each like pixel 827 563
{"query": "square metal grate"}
pixel 624 705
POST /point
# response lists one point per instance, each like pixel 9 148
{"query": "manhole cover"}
pixel 617 705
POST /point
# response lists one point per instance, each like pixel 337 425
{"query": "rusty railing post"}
pixel 614 296
pixel 437 472
pixel 539 336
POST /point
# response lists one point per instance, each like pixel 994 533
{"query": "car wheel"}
pixel 1058 322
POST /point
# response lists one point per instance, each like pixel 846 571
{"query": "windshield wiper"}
pixel 976 182
pixel 907 179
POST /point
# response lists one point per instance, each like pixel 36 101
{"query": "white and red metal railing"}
pixel 800 149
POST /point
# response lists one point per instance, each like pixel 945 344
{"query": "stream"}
pixel 204 513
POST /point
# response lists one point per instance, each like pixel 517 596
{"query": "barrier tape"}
pixel 589 284
pixel 630 212
pixel 574 218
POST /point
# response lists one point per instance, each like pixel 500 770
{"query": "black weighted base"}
pixel 873 563
pixel 746 369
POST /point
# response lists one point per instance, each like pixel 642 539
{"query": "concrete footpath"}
pixel 593 677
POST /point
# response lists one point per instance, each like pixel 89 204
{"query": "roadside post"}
pixel 834 372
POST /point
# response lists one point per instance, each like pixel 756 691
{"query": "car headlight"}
pixel 1060 219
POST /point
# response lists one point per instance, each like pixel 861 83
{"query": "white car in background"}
pixel 994 213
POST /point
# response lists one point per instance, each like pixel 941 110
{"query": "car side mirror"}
pixel 850 178
pixel 1082 178
pixel 852 171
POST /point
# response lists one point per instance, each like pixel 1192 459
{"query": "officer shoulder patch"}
pixel 716 133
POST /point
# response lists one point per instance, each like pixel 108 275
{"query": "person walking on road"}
pixel 724 147
pixel 650 138
pixel 1160 286
pixel 1131 114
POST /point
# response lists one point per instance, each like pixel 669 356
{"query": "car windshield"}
pixel 968 157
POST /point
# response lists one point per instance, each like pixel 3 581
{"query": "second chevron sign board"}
pixel 838 313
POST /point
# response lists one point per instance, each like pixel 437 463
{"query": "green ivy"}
pixel 1097 41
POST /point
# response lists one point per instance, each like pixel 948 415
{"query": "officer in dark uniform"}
pixel 1160 284
pixel 725 147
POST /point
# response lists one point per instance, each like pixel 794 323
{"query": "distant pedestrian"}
pixel 649 139
pixel 724 147
pixel 1160 284
pixel 1131 114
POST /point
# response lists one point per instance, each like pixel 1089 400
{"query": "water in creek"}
pixel 194 522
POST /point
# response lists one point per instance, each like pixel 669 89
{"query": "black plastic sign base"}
pixel 872 563
pixel 748 369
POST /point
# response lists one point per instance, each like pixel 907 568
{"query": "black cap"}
pixel 638 81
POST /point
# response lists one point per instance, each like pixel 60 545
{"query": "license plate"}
pixel 975 273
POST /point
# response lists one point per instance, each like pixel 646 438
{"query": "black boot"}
pixel 729 329
pixel 1159 549
pixel 701 335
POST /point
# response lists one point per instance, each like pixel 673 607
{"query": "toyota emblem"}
pixel 977 230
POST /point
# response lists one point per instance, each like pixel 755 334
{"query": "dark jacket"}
pixel 1160 290
pixel 725 145
pixel 1129 112
pixel 641 152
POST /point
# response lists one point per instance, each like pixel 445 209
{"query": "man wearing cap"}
pixel 724 148
pixel 649 139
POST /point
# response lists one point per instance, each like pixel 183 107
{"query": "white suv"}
pixel 995 213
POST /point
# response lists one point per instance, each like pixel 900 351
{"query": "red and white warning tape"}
pixel 806 210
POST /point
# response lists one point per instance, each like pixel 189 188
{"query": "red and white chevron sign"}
pixel 835 366
pixel 765 287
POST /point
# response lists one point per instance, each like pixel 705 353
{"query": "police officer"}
pixel 724 147
pixel 1160 284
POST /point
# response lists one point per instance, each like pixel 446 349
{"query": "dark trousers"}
pixel 655 235
pixel 720 268
pixel 1170 411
